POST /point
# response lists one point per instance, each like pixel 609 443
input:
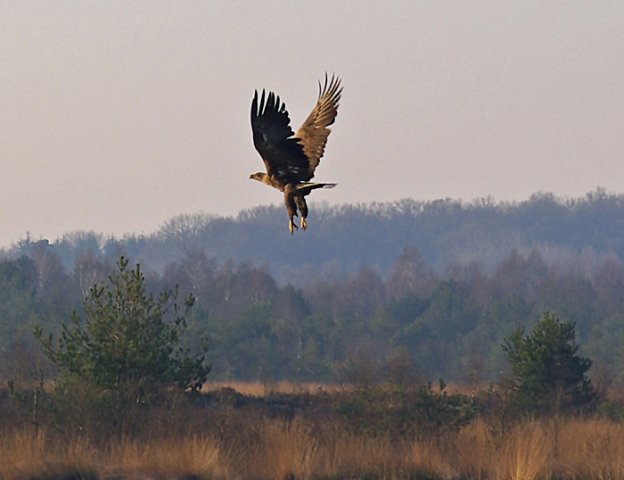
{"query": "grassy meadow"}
pixel 575 449
pixel 247 444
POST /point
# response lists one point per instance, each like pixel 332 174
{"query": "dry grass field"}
pixel 572 449
pixel 261 389
pixel 250 445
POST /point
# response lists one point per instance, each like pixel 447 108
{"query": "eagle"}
pixel 291 158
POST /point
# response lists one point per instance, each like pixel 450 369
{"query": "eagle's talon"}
pixel 292 227
pixel 304 223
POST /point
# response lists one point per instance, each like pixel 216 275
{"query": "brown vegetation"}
pixel 261 389
pixel 279 449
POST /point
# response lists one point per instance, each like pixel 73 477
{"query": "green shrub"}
pixel 548 374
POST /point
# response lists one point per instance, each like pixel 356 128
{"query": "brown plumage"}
pixel 291 159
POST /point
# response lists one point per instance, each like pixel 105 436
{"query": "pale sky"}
pixel 117 115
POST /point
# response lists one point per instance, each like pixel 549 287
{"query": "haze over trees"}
pixel 577 232
pixel 438 285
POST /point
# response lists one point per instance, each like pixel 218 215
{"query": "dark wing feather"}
pixel 314 132
pixel 282 153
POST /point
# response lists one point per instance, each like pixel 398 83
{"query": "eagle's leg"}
pixel 291 206
pixel 303 209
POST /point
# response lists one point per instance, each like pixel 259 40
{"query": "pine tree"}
pixel 126 349
pixel 548 374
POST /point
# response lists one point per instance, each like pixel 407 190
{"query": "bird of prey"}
pixel 291 158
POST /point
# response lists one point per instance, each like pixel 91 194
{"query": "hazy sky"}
pixel 117 115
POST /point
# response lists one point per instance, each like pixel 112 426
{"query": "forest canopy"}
pixel 438 285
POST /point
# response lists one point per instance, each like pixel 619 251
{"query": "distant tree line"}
pixel 343 239
pixel 351 327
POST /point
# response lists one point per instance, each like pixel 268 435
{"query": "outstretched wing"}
pixel 314 132
pixel 282 153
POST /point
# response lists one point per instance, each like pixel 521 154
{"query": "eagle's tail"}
pixel 307 187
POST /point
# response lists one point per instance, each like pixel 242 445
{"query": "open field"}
pixel 261 389
pixel 276 449
pixel 239 430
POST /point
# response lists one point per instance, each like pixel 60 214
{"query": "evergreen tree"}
pixel 548 374
pixel 126 349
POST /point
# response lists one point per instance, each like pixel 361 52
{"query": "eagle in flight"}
pixel 291 158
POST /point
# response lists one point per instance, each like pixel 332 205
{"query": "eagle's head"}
pixel 260 177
